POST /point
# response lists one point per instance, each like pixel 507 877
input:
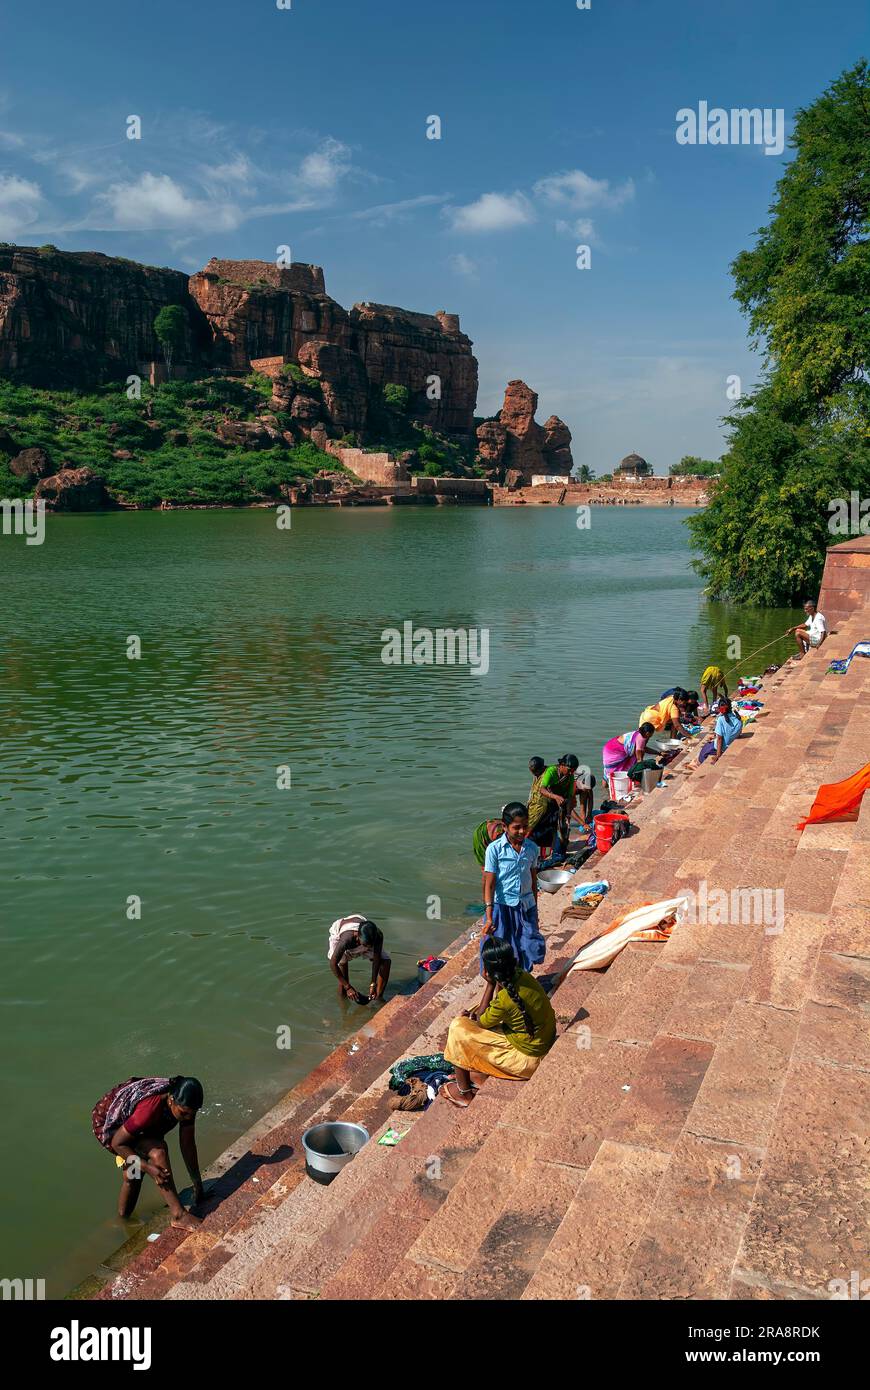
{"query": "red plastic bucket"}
pixel 605 827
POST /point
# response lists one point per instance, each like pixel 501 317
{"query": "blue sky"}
pixel 307 127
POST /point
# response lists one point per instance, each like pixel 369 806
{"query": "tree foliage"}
pixel 800 440
pixel 170 326
pixel 690 466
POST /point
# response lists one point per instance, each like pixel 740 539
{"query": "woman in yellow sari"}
pixel 506 1035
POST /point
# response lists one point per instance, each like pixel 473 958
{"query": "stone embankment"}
pixel 699 1128
pixel 648 492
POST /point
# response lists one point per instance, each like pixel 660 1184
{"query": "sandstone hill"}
pixel 373 375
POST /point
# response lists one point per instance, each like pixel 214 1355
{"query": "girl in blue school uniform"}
pixel 510 889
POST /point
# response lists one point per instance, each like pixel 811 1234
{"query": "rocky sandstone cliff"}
pixel 80 318
pixel 514 448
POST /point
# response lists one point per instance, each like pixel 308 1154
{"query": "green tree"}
pixel 800 440
pixel 805 285
pixel 692 466
pixel 169 326
pixel 397 397
pixel 585 474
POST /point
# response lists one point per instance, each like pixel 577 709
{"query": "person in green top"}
pixel 551 801
pixel 506 1035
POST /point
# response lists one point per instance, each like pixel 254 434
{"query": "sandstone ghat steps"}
pixel 344 1086
pixel 721 1035
pixel 645 1161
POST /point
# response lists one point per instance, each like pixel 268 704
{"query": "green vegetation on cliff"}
pixel 800 441
pixel 175 454
pixel 436 454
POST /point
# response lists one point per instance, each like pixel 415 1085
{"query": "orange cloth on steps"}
pixel 835 800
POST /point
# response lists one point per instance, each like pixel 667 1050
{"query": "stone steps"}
pixel 703 1095
pixel 661 1148
pixel 254 1222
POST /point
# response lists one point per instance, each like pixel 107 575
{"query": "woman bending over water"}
pixel 132 1122
pixel 353 937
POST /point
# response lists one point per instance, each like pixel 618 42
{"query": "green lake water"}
pixel 156 777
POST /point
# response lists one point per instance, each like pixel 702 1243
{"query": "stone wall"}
pixel 306 278
pixel 846 581
pixel 371 468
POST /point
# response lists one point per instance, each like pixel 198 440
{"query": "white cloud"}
pixel 20 202
pixel 574 189
pixel 493 212
pixel 237 171
pixel 79 177
pixel 324 168
pixel 388 212
pixel 583 227
pixel 464 265
pixel 155 202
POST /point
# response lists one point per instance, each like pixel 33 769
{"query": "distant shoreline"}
pixel 544 495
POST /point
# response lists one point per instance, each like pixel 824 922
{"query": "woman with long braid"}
pixel 508 1032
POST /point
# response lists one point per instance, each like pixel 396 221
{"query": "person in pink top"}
pixel 619 754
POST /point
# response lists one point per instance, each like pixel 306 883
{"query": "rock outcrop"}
pixel 73 490
pixel 70 318
pixel 31 464
pixel 425 352
pixel 254 309
pixel 514 447
pixel 343 380
pixel 76 318
pixel 257 311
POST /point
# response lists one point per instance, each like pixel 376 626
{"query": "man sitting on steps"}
pixel 813 632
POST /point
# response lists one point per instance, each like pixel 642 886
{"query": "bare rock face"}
pixel 74 318
pixel 514 444
pixel 31 463
pixel 557 447
pixel 305 411
pixel 73 490
pixel 79 318
pixel 425 352
pixel 254 309
pixel 248 434
pixel 342 376
pixel 491 445
pixel 258 311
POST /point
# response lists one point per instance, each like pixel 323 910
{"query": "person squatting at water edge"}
pixel 132 1121
pixel 486 832
pixel 506 1034
pixel 713 687
pixel 351 938
pixel 620 754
